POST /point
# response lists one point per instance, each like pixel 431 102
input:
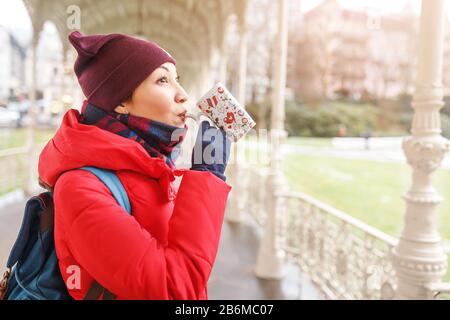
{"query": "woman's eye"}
pixel 163 79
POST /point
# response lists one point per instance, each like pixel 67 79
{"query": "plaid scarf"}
pixel 154 136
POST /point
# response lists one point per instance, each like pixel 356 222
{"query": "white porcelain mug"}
pixel 219 105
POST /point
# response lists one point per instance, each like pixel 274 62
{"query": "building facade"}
pixel 343 52
pixel 12 60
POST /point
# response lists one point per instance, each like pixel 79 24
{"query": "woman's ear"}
pixel 125 107
pixel 122 109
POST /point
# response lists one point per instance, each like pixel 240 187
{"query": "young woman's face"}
pixel 160 97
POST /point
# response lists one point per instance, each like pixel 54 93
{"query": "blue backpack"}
pixel 36 274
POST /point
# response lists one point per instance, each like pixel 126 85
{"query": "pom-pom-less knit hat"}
pixel 110 67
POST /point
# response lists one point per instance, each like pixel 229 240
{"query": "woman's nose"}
pixel 181 96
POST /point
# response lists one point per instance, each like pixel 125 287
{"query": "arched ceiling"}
pixel 189 29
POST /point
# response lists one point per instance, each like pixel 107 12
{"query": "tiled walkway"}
pixel 232 276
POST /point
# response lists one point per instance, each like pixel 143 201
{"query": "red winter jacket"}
pixel 165 250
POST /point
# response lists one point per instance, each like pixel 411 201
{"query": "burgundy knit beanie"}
pixel 110 67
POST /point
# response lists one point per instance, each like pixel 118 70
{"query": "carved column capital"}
pixel 425 155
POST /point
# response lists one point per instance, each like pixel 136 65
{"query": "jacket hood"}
pixel 75 145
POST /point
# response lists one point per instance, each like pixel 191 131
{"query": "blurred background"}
pixel 336 77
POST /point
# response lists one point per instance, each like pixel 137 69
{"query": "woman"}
pixel 133 123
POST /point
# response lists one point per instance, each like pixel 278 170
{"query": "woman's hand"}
pixel 211 150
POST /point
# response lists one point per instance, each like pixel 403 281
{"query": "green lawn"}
pixel 368 190
pixel 12 138
pixel 310 142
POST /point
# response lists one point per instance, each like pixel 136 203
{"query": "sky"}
pixel 14 16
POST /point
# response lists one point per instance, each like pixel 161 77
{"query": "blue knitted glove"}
pixel 211 150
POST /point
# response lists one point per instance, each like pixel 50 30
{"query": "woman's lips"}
pixel 182 116
pixel 182 119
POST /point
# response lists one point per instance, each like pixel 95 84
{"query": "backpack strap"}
pixel 96 290
pixel 110 179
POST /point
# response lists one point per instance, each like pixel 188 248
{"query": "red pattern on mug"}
pixel 229 118
pixel 210 104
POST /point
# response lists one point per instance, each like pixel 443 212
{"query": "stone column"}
pixel 31 184
pixel 270 259
pixel 236 203
pixel 223 60
pixel 419 258
pixel 64 76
